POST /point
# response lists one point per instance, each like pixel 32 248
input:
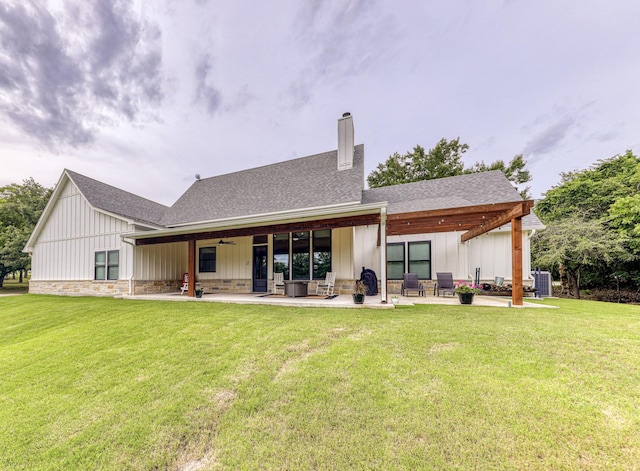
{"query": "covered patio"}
pixel 340 301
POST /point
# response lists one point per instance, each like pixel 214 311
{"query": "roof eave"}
pixel 324 212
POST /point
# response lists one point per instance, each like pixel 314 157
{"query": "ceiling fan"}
pixel 226 242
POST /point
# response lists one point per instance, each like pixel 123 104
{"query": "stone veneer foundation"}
pixel 240 286
pixel 79 288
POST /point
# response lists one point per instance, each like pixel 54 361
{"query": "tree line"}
pixel 20 209
pixel 592 239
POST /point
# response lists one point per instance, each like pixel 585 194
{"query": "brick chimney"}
pixel 345 142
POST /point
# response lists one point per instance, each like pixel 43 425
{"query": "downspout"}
pixel 133 264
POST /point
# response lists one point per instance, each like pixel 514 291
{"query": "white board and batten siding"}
pixel 366 250
pixel 161 262
pixel 233 262
pixel 491 252
pixel 65 248
pixel 342 253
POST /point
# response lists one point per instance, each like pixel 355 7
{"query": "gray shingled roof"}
pixel 116 201
pixel 294 184
pixel 444 193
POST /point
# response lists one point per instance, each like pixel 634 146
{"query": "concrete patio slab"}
pixel 341 301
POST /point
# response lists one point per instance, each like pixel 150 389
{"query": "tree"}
pixel 605 194
pixel 624 216
pixel 20 209
pixel 573 245
pixel 444 160
pixel 591 192
pixel 515 171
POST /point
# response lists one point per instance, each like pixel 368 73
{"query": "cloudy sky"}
pixel 145 94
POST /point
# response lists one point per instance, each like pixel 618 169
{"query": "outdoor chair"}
pixel 445 283
pixel 325 287
pixel 185 284
pixel 411 283
pixel 278 283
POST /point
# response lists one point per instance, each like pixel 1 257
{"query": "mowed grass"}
pixel 94 383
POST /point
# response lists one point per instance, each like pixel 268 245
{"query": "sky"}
pixel 144 95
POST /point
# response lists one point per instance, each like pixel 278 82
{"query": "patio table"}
pixel 296 288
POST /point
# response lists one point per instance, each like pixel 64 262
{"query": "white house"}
pixel 303 217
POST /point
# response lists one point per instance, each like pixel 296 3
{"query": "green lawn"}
pixel 94 383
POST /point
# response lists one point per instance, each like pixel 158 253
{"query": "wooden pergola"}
pixel 475 221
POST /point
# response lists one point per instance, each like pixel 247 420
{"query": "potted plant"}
pixel 395 299
pixel 359 292
pixel 198 292
pixel 465 291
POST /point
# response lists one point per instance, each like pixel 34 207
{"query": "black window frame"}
pixel 318 275
pixel 300 258
pixel 410 260
pixel 403 261
pixel 204 263
pixel 278 264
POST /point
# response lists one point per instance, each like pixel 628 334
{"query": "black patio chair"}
pixel 411 283
pixel 445 283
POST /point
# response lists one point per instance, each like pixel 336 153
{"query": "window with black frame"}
pixel 281 254
pixel 395 261
pixel 207 260
pixel 300 255
pixel 420 259
pixel 321 253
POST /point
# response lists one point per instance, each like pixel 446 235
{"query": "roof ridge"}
pixel 262 167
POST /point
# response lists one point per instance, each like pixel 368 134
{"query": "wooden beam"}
pixel 479 209
pixel 319 224
pixel 192 269
pixel 516 262
pixel 517 211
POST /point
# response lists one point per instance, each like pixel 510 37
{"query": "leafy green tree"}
pixel 590 193
pixel 444 160
pixel 607 194
pixel 574 245
pixel 624 215
pixel 515 171
pixel 20 209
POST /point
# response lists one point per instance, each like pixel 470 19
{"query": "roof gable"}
pixel 306 182
pixel 118 202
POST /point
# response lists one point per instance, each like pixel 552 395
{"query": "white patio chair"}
pixel 278 283
pixel 325 287
pixel 185 284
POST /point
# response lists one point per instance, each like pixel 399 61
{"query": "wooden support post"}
pixel 382 235
pixel 516 261
pixel 192 269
